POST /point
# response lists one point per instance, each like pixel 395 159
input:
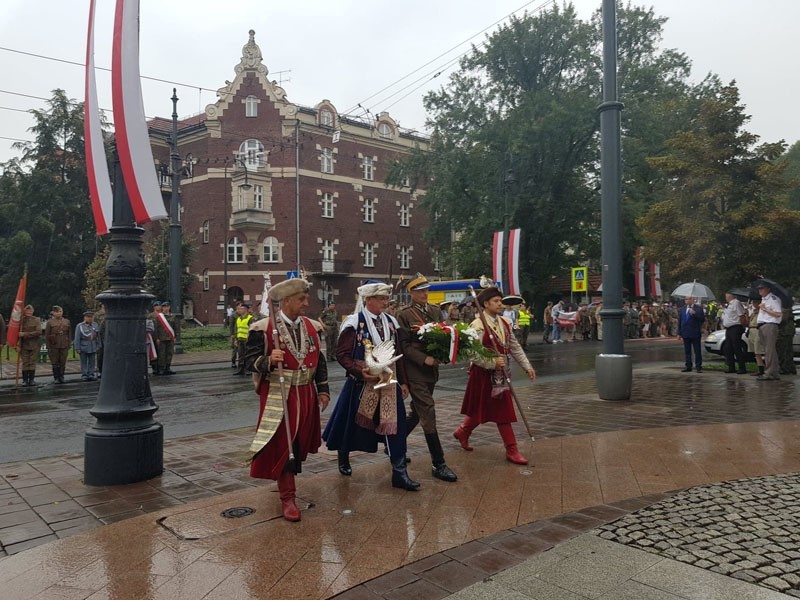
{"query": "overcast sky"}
pixel 347 51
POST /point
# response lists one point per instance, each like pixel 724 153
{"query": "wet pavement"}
pixel 593 463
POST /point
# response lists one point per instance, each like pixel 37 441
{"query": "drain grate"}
pixel 237 512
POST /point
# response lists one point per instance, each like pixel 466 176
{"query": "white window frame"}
pixel 206 232
pixel 385 130
pixel 369 255
pixel 405 257
pixel 327 250
pixel 235 250
pixel 326 117
pixel 368 167
pixel 258 196
pixel 369 210
pixel 327 205
pixel 271 250
pixel 326 161
pixel 251 106
pixel 405 215
pixel 252 152
pixel 206 281
pixel 437 261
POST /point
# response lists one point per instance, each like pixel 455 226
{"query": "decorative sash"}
pixel 165 324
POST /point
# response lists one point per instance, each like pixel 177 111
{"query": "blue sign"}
pixel 292 275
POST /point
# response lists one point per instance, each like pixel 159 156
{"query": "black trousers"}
pixel 733 347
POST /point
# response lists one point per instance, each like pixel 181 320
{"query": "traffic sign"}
pixel 579 277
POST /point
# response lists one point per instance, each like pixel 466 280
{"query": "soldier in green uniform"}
pixel 165 338
pixel 422 371
pixel 784 345
pixel 330 319
pixel 30 343
pixel 58 335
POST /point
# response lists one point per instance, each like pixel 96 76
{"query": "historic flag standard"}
pixel 639 262
pixel 16 313
pixel 497 257
pixel 513 262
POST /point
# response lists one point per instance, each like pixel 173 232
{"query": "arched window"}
pixel 326 117
pixel 235 250
pixel 385 130
pixel 206 280
pixel 272 250
pixel 251 106
pixel 252 151
pixel 205 232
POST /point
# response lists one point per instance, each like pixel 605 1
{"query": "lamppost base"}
pixel 117 457
pixel 614 375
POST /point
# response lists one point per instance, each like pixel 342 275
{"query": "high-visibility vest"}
pixel 524 318
pixel 243 326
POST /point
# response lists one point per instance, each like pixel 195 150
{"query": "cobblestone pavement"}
pixel 748 529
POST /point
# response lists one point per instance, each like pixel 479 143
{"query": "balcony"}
pixel 330 268
pixel 252 219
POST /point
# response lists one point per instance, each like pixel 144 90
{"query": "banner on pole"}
pixel 513 262
pixel 497 257
pixel 12 337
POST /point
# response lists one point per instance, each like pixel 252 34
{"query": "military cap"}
pixel 56 308
pixel 166 303
pixel 88 313
pixel 420 282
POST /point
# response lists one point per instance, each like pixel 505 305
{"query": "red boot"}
pixel 510 442
pixel 462 433
pixel 287 491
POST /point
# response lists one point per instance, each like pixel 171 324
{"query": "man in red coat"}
pixel 488 396
pixel 301 397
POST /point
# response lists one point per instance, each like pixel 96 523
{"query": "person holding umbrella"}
pixel 690 327
pixel 769 318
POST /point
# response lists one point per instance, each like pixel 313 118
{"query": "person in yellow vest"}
pixel 524 325
pixel 241 327
pixel 30 342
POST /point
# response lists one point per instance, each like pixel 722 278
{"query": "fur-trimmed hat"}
pixel 375 288
pixel 287 288
pixel 489 293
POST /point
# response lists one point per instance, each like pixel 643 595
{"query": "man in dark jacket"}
pixel 690 327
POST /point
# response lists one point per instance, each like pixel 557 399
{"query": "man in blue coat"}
pixel 690 326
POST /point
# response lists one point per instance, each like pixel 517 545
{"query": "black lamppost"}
pixel 125 444
pixel 613 368
pixel 175 229
pixel 237 160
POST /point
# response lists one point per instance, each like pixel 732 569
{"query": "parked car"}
pixel 715 342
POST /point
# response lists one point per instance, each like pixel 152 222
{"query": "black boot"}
pixel 60 375
pixel 31 375
pixel 400 478
pixel 25 379
pixel 55 374
pixel 440 469
pixel 344 464
pixel 154 366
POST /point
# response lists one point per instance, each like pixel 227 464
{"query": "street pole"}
pixel 175 262
pixel 297 194
pixel 225 225
pixel 613 368
pixel 125 444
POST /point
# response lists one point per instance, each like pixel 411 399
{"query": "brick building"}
pixel 254 162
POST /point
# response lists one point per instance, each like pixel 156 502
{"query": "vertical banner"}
pixel 130 125
pixel 497 258
pixel 16 313
pixel 655 280
pixel 513 262
pixel 264 308
pixel 96 165
pixel 639 262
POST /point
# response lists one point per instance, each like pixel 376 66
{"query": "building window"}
pixel 241 201
pixel 327 205
pixel 326 160
pixel 205 232
pixel 272 250
pixel 251 106
pixel 369 210
pixel 327 250
pixel 404 257
pixel 437 261
pixel 258 197
pixel 326 117
pixel 252 151
pixel 385 130
pixel 369 171
pixel 406 181
pixel 206 281
pixel 405 215
pixel 235 250
pixel 369 255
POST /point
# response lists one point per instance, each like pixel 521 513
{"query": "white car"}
pixel 715 342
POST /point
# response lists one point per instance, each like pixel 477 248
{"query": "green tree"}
pixel 96 279
pixel 156 280
pixel 45 212
pixel 716 222
pixel 791 174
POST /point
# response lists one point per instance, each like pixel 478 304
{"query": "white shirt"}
pixel 773 303
pixel 731 314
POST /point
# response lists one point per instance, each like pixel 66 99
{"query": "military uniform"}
pixel 30 344
pixel 58 335
pixel 87 343
pixel 330 319
pixel 165 340
pixel 422 377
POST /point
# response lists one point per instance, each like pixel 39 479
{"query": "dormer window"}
pixel 385 130
pixel 326 117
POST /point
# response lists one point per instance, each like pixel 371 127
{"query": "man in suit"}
pixel 422 371
pixel 690 326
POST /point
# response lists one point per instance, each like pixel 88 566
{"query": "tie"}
pixel 378 325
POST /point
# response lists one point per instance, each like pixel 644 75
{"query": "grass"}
pixel 204 339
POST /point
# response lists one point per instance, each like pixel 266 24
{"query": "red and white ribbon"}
pixel 165 324
pixel 513 262
pixel 452 352
pixel 130 125
pixel 152 353
pixel 96 165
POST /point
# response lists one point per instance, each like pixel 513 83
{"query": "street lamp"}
pixel 237 160
pixel 175 233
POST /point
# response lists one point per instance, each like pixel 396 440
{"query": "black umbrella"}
pixel 462 303
pixel 744 293
pixel 777 289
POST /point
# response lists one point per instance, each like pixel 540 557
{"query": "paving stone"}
pixel 776 583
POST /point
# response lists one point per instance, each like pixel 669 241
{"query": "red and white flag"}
pixel 639 262
pixel 96 165
pixel 152 351
pixel 165 324
pixel 655 280
pixel 130 125
pixel 513 262
pixel 16 313
pixel 497 258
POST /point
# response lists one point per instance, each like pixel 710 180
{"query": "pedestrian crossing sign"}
pixel 578 279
